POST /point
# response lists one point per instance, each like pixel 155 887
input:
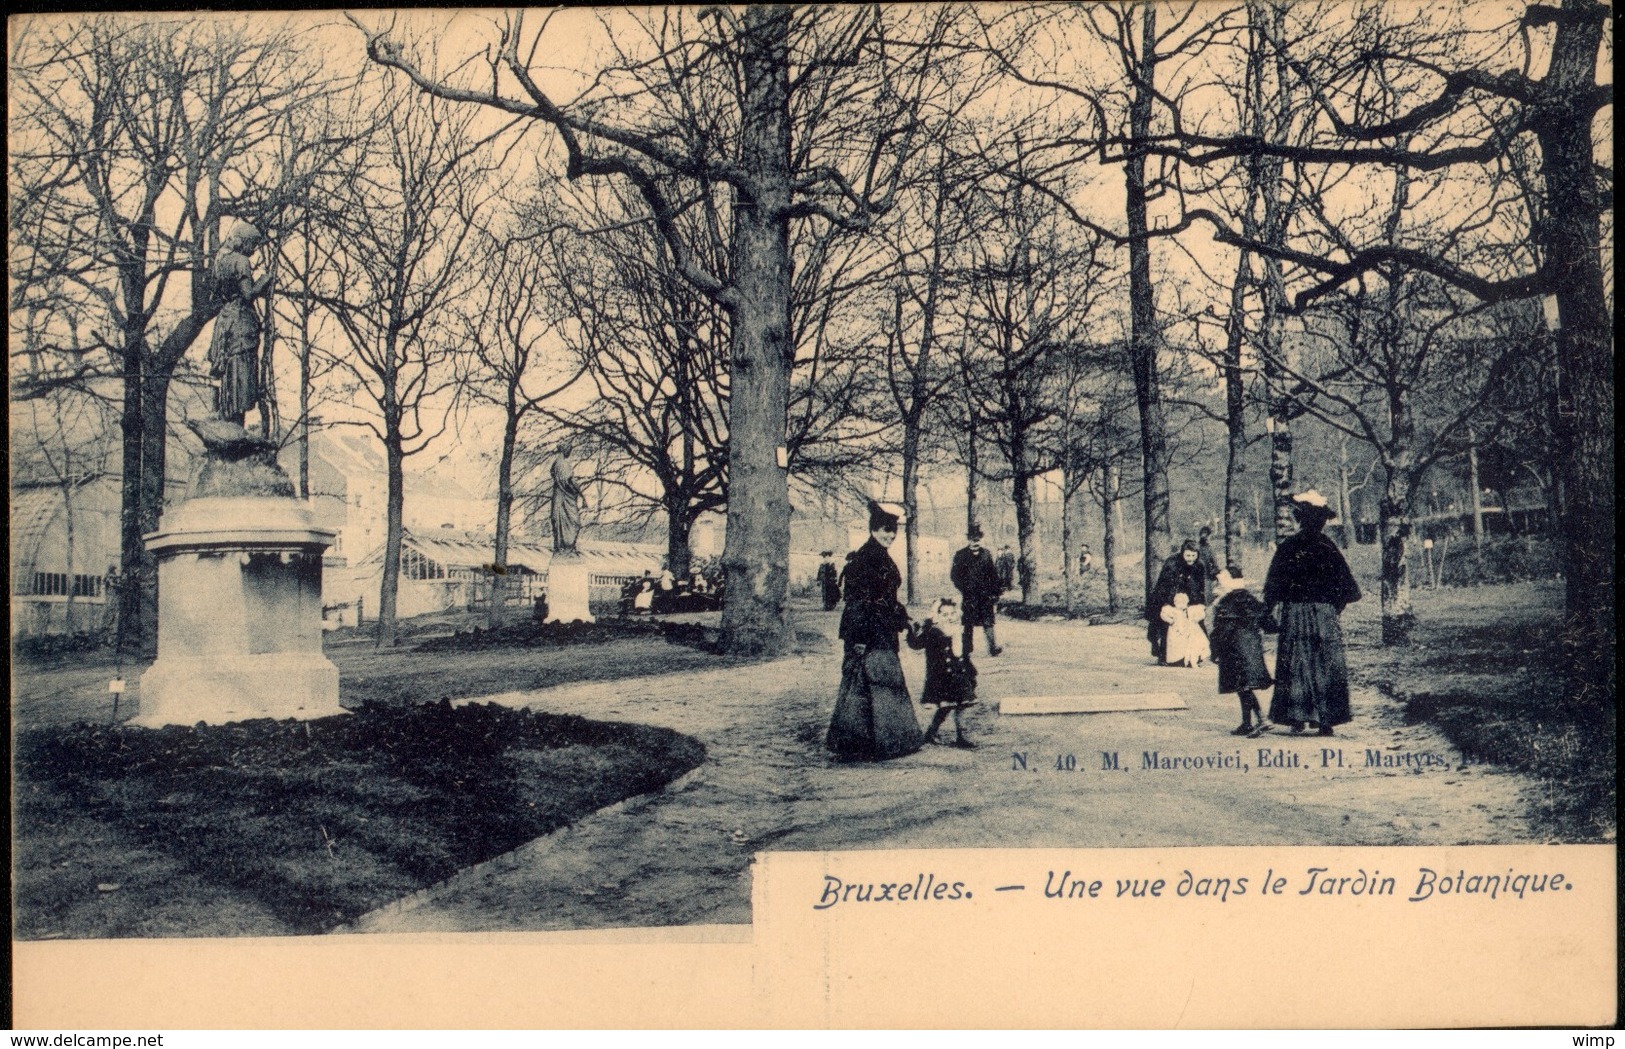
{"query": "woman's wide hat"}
pixel 1312 504
pixel 882 515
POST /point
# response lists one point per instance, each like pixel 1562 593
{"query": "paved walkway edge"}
pixel 514 857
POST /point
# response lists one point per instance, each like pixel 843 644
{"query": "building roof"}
pixel 472 550
pixel 34 508
pixel 431 484
pixel 348 450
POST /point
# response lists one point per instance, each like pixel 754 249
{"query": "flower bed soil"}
pixel 554 635
pixel 276 827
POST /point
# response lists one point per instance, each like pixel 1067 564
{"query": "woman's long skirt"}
pixel 874 718
pixel 234 360
pixel 1311 671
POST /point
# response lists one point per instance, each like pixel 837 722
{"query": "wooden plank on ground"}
pixel 1093 703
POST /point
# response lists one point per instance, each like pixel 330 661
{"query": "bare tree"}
pixel 840 323
pixel 1408 369
pixel 514 349
pixel 654 351
pixel 926 236
pixel 1107 441
pixel 1397 90
pixel 1151 50
pixel 961 420
pixel 1027 300
pixel 795 116
pixel 133 142
pixel 391 278
pixel 291 308
pixel 1095 394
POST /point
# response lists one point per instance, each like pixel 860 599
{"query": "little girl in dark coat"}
pixel 1238 648
pixel 950 679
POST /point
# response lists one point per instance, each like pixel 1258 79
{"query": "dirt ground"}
pixel 682 857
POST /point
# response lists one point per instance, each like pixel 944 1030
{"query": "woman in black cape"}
pixel 1311 583
pixel 1183 573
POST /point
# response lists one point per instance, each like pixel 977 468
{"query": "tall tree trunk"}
pixel 911 504
pixel 1021 497
pixel 154 449
pixel 918 390
pixel 1398 614
pixel 394 502
pixel 1108 542
pixel 971 469
pixel 756 614
pixel 1478 492
pixel 134 566
pixel 679 532
pixel 68 608
pixel 499 555
pixel 1144 336
pixel 1343 498
pixel 1236 483
pixel 1021 492
pixel 1584 426
pixel 1281 474
pixel 1272 118
pixel 1068 570
pixel 304 374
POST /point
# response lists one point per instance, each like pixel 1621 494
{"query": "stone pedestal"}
pixel 567 589
pixel 239 614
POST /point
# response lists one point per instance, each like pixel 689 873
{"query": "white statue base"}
pixel 239 614
pixel 568 589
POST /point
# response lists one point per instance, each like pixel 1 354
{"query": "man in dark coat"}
pixel 829 581
pixel 1311 582
pixel 977 579
pixel 1183 573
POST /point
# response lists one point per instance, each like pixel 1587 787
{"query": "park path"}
pixel 682 856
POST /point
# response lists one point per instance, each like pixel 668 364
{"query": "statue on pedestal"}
pixel 566 500
pixel 569 589
pixel 240 558
pixel 234 359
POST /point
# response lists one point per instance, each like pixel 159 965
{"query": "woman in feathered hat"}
pixel 1311 582
pixel 874 717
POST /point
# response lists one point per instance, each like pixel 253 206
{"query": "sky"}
pixel 452 42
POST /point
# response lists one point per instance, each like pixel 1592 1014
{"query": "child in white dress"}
pixel 1187 641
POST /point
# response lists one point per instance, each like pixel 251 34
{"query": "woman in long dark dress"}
pixel 874 717
pixel 1183 573
pixel 1311 582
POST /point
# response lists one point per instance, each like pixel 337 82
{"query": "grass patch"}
pixel 395 677
pixel 74 690
pixel 267 827
pixel 1486 666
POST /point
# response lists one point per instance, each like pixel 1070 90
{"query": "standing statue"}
pixel 566 500
pixel 234 358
